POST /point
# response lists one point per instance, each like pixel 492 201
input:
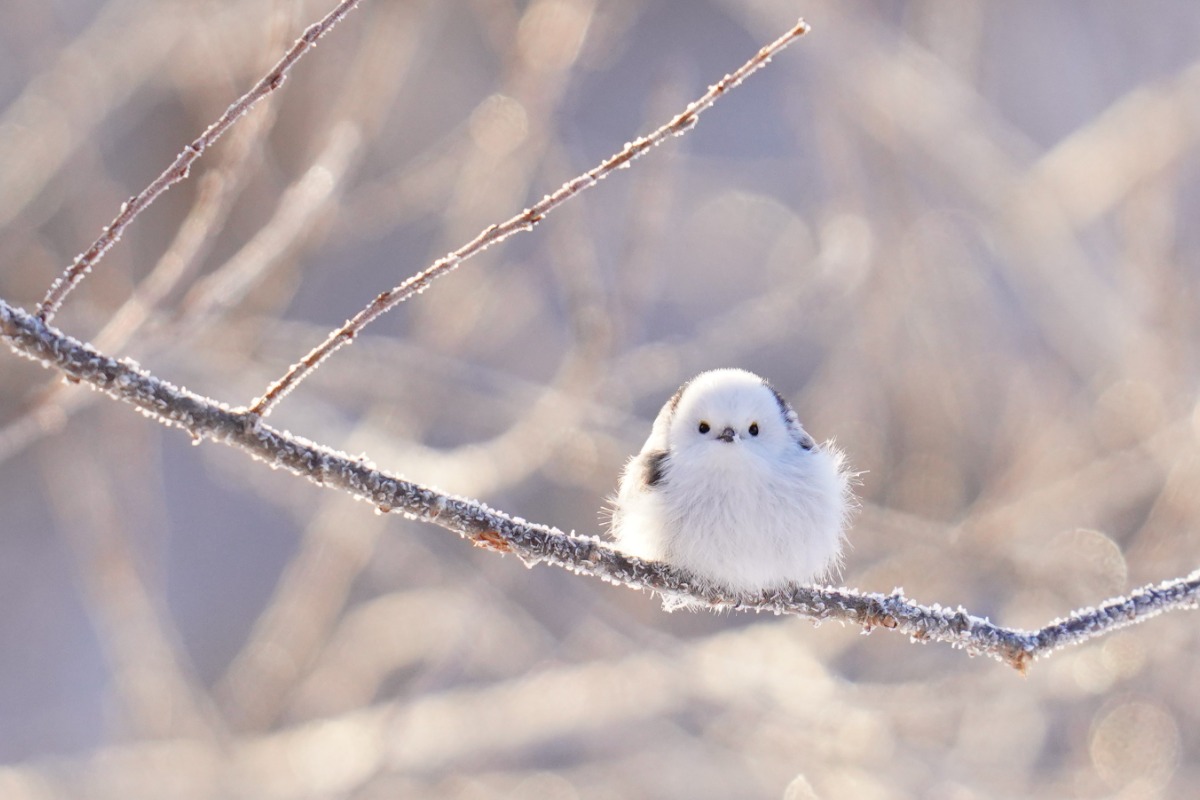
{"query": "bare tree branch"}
pixel 204 418
pixel 524 221
pixel 179 168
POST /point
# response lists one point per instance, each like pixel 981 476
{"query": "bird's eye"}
pixel 704 427
pixel 754 429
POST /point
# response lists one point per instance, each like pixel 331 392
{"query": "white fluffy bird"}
pixel 731 489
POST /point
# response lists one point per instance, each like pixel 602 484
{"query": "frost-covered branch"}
pixel 203 418
pixel 181 166
pixel 385 301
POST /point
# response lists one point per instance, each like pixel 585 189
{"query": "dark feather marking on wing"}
pixel 673 403
pixel 785 408
pixel 655 467
pixel 793 421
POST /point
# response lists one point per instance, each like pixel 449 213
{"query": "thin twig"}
pixel 525 221
pixel 182 164
pixel 533 544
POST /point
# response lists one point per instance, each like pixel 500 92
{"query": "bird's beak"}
pixel 727 435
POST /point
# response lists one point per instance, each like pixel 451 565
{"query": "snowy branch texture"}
pixel 534 544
